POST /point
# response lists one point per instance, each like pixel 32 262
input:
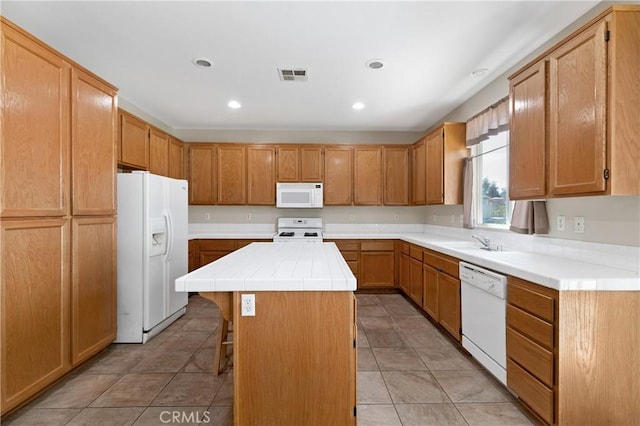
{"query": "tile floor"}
pixel 408 374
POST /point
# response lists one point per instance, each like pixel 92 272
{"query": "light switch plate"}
pixel 560 223
pixel 578 224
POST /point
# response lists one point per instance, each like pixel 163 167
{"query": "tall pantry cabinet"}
pixel 57 215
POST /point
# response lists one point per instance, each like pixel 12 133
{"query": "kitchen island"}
pixel 294 360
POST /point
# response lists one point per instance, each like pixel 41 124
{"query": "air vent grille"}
pixel 292 74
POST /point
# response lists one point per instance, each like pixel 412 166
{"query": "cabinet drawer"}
pixel 534 358
pixel 525 296
pixel 377 246
pixel 531 391
pixel 347 245
pixel 416 253
pixel 353 265
pixel 404 248
pixel 444 263
pixel 208 245
pixel 531 326
pixel 350 256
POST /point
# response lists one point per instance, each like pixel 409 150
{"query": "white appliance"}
pixel 484 334
pixel 293 229
pixel 299 195
pixel 152 253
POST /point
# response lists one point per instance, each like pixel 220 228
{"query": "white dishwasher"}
pixel 483 314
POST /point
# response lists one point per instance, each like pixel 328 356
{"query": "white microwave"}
pixel 299 195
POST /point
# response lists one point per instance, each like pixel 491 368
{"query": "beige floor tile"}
pixel 119 416
pixel 377 323
pixel 185 389
pixel 386 339
pixel 366 360
pixel 393 299
pixel 367 300
pixel 445 357
pixel 133 390
pixel 161 361
pixel 414 323
pixel 430 415
pixel 212 341
pixel 469 386
pixel 221 415
pixel 490 414
pixel 200 324
pixel 362 341
pixel 185 340
pixel 425 338
pixel 224 396
pixel 41 416
pixel 371 388
pixel 211 312
pixel 398 359
pixel 413 387
pixel 372 311
pixel 154 416
pixel 115 362
pixel 200 362
pixel 77 391
pixel 378 415
pixel 150 346
pixel 398 310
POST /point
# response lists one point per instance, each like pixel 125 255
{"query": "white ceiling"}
pixel 429 50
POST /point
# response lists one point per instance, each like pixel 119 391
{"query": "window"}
pixel 491 182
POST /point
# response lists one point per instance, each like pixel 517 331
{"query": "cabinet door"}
pixel 194 255
pixel 415 283
pixel 261 175
pixel 367 176
pixel 430 299
pixel 158 152
pixel 202 174
pixel 34 306
pixel 134 142
pixel 338 178
pixel 449 304
pixel 396 176
pixel 577 111
pixel 93 286
pixel 93 159
pixel 527 133
pixel 405 277
pixel 288 164
pixel 176 159
pixel 34 165
pixel 418 173
pixel 377 269
pixel 232 175
pixel 434 148
pixel 311 164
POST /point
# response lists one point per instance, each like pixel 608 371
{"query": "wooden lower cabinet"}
pixel 350 250
pixel 430 302
pixel 377 263
pixel 204 251
pixel 34 307
pixel 93 286
pixel 442 291
pixel 415 276
pixel 449 305
pixel 404 268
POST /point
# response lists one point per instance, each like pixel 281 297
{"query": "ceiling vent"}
pixel 290 74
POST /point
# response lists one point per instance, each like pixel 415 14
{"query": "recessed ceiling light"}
pixel 202 62
pixel 234 104
pixel 480 72
pixel 357 106
pixel 374 64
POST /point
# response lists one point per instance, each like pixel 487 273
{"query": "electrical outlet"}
pixel 206 216
pixel 578 225
pixel 396 217
pixel 560 222
pixel 248 216
pixel 352 217
pixel 248 305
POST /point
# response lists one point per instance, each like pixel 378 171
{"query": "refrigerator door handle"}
pixel 169 222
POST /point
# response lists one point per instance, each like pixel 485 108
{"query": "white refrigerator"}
pixel 152 253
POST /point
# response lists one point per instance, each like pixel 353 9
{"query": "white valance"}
pixel 490 121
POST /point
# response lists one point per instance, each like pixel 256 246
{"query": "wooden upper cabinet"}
pixel 232 174
pixel 134 141
pixel 299 164
pixel 261 175
pixel 34 159
pixel 158 152
pixel 176 159
pixel 94 162
pixel 202 173
pixel 367 176
pixel 527 133
pixel 311 164
pixel 418 173
pixel 395 176
pixel 445 152
pixel 338 176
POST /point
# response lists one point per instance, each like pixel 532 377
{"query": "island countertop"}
pixel 274 267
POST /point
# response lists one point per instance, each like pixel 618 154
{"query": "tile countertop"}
pixel 274 267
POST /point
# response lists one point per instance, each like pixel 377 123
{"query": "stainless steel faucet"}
pixel 486 242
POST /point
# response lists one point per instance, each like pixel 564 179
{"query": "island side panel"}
pixel 295 361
